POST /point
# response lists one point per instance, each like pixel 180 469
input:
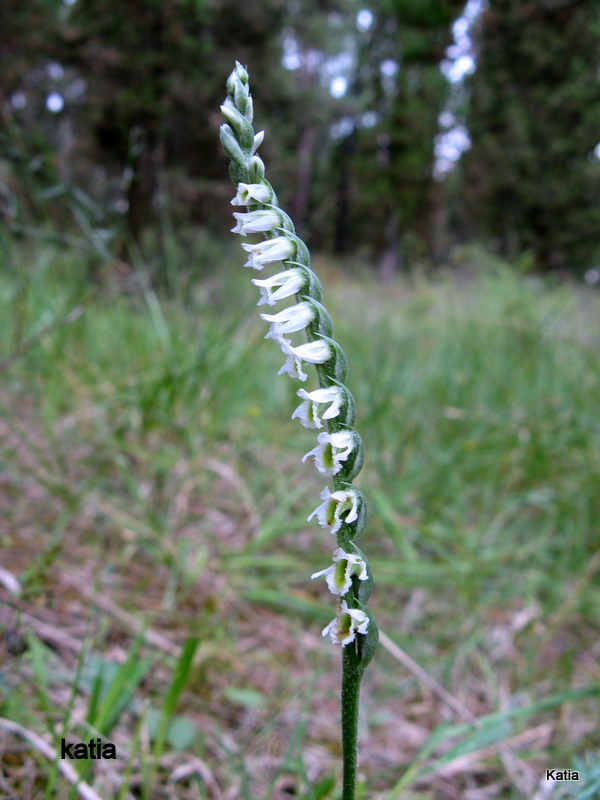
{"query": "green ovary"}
pixel 328 457
pixel 330 515
pixel 339 574
pixel 344 624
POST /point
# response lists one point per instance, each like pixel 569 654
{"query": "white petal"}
pixel 307 414
pixel 322 572
pixel 258 140
pixel 293 365
pixel 337 587
pixel 340 554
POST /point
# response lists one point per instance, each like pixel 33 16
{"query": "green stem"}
pixel 351 677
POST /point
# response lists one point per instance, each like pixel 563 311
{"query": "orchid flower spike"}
pixel 328 405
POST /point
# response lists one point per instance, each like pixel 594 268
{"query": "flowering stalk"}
pixel 339 451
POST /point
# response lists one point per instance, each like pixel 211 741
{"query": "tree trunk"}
pixel 305 158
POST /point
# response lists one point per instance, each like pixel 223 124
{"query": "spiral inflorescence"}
pixel 330 408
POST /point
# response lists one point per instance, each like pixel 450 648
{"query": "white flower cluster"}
pixel 318 405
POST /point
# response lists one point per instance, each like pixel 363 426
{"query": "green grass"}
pixel 154 508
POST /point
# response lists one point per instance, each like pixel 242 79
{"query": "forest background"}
pixel 442 162
pixel 368 110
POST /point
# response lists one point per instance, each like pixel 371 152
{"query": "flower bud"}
pixel 256 168
pixel 240 125
pixel 258 140
pixel 231 146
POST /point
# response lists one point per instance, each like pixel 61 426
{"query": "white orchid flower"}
pixel 333 448
pixel 292 319
pixel 308 411
pixel 317 352
pixel 262 221
pixel 250 193
pixel 290 281
pixel 339 574
pixel 277 249
pixel 347 623
pixel 329 513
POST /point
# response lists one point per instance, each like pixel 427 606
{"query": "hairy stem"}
pixel 351 677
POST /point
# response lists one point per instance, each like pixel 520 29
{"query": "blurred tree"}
pixel 26 27
pixel 297 108
pixel 531 178
pixel 153 74
pixel 28 43
pixel 396 98
pixel 155 69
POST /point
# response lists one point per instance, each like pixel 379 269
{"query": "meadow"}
pixel 155 555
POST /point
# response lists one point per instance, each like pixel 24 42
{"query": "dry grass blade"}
pixel 45 631
pixel 72 316
pixel 426 679
pixel 197 767
pixel 521 775
pixel 41 745
pixel 10 583
pixel 538 736
pixel 150 636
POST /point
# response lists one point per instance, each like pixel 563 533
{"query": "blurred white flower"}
pixel 258 140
